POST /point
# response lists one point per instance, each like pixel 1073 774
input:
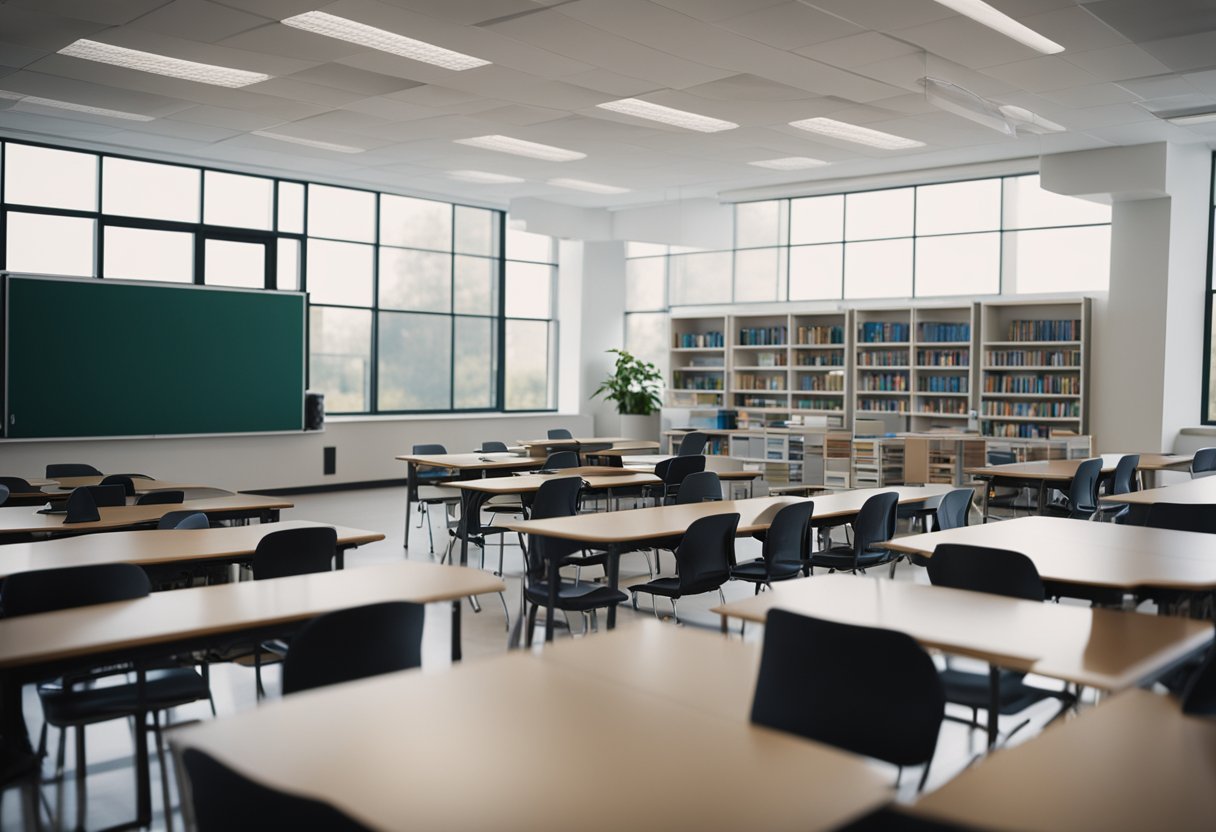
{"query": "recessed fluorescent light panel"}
pixel 668 115
pixel 336 148
pixel 790 163
pixel 483 177
pixel 351 31
pixel 106 53
pixel 985 15
pixel 70 105
pixel 519 147
pixel 1188 116
pixel 589 187
pixel 855 133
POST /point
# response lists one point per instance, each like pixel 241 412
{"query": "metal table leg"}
pixel 456 654
pixel 411 474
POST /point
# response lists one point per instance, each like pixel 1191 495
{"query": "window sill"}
pixel 443 417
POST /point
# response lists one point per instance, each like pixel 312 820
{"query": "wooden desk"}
pixel 467 466
pixel 1201 491
pixel 1090 554
pixel 511 724
pixel 1100 648
pixel 148 548
pixel 616 531
pixel 26 520
pixel 1133 762
pixel 143 485
pixel 542 447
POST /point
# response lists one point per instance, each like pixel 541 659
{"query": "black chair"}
pixel 21 493
pixel 67 703
pixel 874 524
pixel 106 496
pixel 429 489
pixel 692 444
pixel 560 433
pixel 785 548
pixel 954 511
pixel 672 472
pixel 352 644
pixel 161 498
pixel 1199 695
pixel 561 460
pixel 700 487
pixel 543 584
pixel 703 559
pixel 71 469
pixel 3 494
pixel 128 485
pixel 1122 481
pixel 869 691
pixel 996 572
pixel 494 448
pixel 1082 500
pixel 184 519
pixel 221 800
pixel 1184 517
pixel 1204 463
pixel 81 507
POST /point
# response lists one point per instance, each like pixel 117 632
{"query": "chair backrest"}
pixel 706 553
pixel 698 487
pixel 786 539
pixel 161 498
pixel 185 519
pixel 985 569
pixel 1199 695
pixel 1083 494
pixel 81 507
pixel 17 485
pixel 1204 461
pixel 106 496
pixel 870 691
pixel 222 800
pixel 554 498
pixel 875 522
pixel 560 433
pixel 128 485
pixel 45 590
pixel 3 494
pixel 693 443
pixel 674 470
pixel 1184 517
pixel 429 449
pixel 494 447
pixel 954 510
pixel 351 644
pixel 71 469
pixel 1124 479
pixel 1002 457
pixel 426 472
pixel 558 460
pixel 295 552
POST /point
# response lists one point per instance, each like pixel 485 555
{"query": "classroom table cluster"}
pixel 1060 610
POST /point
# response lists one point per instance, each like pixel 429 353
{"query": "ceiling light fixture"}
pixel 351 31
pixel 1026 121
pixel 998 21
pixel 519 147
pixel 855 133
pixel 667 115
pixel 483 177
pixel 1183 118
pixel 589 187
pixel 963 102
pixel 107 53
pixel 21 98
pixel 790 163
pixel 281 137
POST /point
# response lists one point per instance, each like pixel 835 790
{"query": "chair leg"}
pixel 758 587
pixel 166 800
pixel 675 613
pixel 924 775
pixel 722 595
pixel 595 623
pixel 532 610
pixel 81 776
pixel 505 611
pixel 257 673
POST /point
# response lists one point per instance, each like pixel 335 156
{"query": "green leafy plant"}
pixel 634 385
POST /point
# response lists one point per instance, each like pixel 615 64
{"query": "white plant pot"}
pixel 640 427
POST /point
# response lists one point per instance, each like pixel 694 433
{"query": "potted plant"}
pixel 634 385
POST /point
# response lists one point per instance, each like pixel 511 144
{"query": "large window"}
pixel 415 305
pixel 977 237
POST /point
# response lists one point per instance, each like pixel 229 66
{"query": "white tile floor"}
pixel 111 784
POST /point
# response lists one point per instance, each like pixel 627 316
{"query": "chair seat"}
pixel 841 557
pixel 757 571
pixel 667 587
pixel 971 690
pixel 162 689
pixel 574 597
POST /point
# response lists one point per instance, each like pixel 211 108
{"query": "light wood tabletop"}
pixel 19 520
pixel 152 547
pixel 474 462
pixel 1092 554
pixel 1066 469
pixel 143 485
pixel 203 612
pixel 510 725
pixel 1133 762
pixel 1106 649
pixel 596 479
pixel 579 441
pixel 1198 491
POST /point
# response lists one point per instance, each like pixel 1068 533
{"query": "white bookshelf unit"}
pixel 698 362
pixel 1035 368
pixel 760 364
pixel 819 358
pixel 882 371
pixel 943 369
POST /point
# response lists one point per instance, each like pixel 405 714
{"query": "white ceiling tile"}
pixel 468 11
pixel 54 125
pixel 1147 131
pixel 1141 21
pixel 275 9
pixel 225 117
pixel 746 87
pixel 287 42
pixel 26 27
pixel 1093 95
pixel 1197 51
pixel 199 20
pixel 184 130
pixel 1179 103
pixel 1203 81
pixel 344 120
pixel 208 53
pixel 348 78
pixel 885 15
pixel 714 10
pixel 1074 28
pixel 1159 86
pixel 85 92
pixel 517 114
pixel 858 50
pixel 391 110
pixel 611 83
pixel 1105 116
pixel 109 12
pixel 909 103
pixel 964 41
pixel 790 26
pixel 12 55
pixel 1117 63
pixel 297 90
pixel 1047 72
pixel 116 76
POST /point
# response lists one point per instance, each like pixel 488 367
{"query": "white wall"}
pixel 602 327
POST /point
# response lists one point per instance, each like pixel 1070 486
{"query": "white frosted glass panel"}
pixel 758 223
pixel 644 284
pixel 646 337
pixel 146 189
pixel 816 272
pixel 704 277
pixel 340 357
pixel 878 214
pixel 524 245
pixel 417 223
pixel 291 207
pixel 881 269
pixel 233 263
pixel 288 265
pixel 1059 259
pixel 817 219
pixel 475 363
pixel 48 244
pixel 418 280
pixel 956 207
pixel 415 356
pixel 241 201
pixel 1029 206
pixel 645 249
pixel 51 178
pixel 476 231
pixel 959 264
pixel 143 254
pixel 526 376
pixel 760 275
pixel 529 290
pixel 476 285
pixel 339 273
pixel 341 213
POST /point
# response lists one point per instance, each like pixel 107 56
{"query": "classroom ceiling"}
pixel 758 63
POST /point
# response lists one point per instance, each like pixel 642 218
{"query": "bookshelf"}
pixel 759 363
pixel 943 374
pixel 819 353
pixel 1035 367
pixel 882 372
pixel 698 362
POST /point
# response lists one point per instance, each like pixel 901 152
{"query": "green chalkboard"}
pixel 108 358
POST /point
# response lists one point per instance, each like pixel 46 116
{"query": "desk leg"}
pixel 614 578
pixel 143 771
pixel 340 558
pixel 988 486
pixel 723 624
pixel 411 471
pixel 456 655
pixel 994 704
pixel 1042 503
